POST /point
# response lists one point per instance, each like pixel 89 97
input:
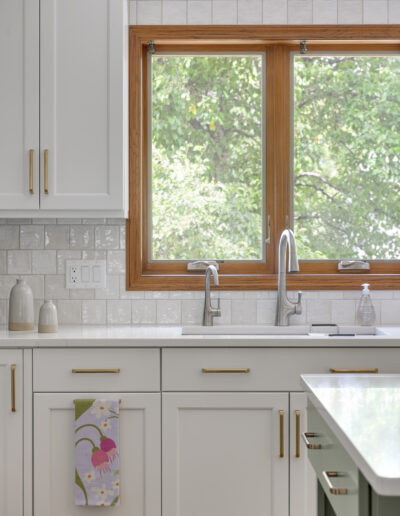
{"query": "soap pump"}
pixel 365 315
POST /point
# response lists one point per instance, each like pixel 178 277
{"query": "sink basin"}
pixel 245 330
pixel 282 330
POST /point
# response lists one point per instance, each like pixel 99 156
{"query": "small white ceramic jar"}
pixel 48 322
pixel 20 313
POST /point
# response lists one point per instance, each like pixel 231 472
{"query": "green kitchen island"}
pixel 353 441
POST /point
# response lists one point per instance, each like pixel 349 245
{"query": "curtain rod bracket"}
pixel 152 49
pixel 303 47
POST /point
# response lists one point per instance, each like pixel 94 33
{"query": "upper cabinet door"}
pixel 82 76
pixel 19 104
pixel 11 433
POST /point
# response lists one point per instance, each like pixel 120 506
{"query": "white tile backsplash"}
pixel 250 12
pixel 174 12
pixel 44 269
pixel 325 12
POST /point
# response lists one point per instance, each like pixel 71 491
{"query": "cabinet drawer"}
pixel 332 459
pixel 270 369
pixel 128 370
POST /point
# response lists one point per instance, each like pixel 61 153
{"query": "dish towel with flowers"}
pixel 97 452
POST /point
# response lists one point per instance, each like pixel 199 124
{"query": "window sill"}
pixel 343 281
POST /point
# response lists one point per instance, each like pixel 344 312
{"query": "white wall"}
pixel 37 249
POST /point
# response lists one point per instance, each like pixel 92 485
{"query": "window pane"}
pixel 207 181
pixel 346 157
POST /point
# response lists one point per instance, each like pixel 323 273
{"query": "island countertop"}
pixel 363 411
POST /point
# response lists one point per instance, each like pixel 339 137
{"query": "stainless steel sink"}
pixel 282 330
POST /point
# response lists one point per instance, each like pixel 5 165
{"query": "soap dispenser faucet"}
pixel 285 307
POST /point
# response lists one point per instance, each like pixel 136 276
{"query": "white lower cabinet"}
pixel 11 433
pixel 140 455
pixel 303 482
pixel 225 454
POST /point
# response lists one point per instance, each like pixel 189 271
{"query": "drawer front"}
pixel 91 370
pixel 333 458
pixel 269 369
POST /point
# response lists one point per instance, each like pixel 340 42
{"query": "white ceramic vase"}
pixel 20 313
pixel 48 322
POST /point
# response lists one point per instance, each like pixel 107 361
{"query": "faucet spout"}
pixel 284 307
pixel 209 311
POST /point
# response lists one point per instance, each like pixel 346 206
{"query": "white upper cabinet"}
pixel 80 167
pixel 82 104
pixel 19 104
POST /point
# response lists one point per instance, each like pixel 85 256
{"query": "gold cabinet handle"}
pixel 13 366
pixel 31 151
pixel 356 371
pixel 281 434
pixel 310 446
pixel 46 170
pixel 327 475
pixel 90 371
pixel 207 371
pixel 297 434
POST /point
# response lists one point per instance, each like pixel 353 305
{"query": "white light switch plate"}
pixel 85 273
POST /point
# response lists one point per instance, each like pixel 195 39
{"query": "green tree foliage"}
pixel 207 161
pixel 347 151
pixel 206 157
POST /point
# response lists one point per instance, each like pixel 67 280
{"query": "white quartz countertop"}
pixel 363 411
pixel 171 336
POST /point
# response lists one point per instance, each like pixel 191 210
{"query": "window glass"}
pixel 206 195
pixel 346 172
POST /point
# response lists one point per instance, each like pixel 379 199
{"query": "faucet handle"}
pixel 298 308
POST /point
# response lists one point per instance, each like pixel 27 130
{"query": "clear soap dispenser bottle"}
pixel 365 315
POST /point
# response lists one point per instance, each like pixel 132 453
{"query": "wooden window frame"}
pixel 278 42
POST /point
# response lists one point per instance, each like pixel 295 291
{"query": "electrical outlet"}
pixel 85 273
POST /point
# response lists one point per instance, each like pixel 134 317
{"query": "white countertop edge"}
pixel 386 486
pixel 170 336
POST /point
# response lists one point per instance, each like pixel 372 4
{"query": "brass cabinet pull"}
pixel 327 475
pixel 90 371
pixel 46 171
pixel 31 151
pixel 13 366
pixel 281 434
pixel 308 435
pixel 207 371
pixel 297 434
pixel 357 371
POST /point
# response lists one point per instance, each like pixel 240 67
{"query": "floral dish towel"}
pixel 97 452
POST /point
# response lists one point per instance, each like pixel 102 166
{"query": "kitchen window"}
pixel 232 140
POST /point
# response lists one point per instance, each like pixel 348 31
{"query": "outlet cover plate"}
pixel 85 273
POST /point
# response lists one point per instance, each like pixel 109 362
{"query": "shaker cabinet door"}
pixel 54 454
pixel 19 104
pixel 82 51
pixel 11 433
pixel 221 454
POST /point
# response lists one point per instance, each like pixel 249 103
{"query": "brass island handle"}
pixel 207 371
pixel 356 371
pixel 308 435
pixel 90 371
pixel 327 475
pixel 31 151
pixel 281 434
pixel 46 170
pixel 13 366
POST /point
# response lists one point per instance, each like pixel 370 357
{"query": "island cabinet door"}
pixel 139 455
pixel 11 433
pixel 225 454
pixel 303 481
